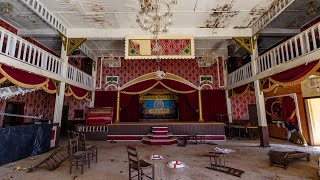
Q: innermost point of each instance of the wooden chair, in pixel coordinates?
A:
(77, 157)
(136, 164)
(84, 146)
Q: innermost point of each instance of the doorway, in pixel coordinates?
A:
(16, 108)
(313, 116)
(64, 120)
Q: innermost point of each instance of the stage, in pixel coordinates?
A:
(135, 131)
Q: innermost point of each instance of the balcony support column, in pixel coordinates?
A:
(261, 110)
(94, 75)
(58, 107)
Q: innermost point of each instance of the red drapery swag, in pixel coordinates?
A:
(241, 90)
(25, 79)
(290, 77)
(78, 93)
(289, 110)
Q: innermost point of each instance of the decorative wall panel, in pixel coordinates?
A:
(172, 47)
(239, 106)
(185, 68)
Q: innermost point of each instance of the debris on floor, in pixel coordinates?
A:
(223, 150)
(282, 158)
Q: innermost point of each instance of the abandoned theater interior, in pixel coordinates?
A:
(159, 89)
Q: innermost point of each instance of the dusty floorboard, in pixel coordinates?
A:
(112, 163)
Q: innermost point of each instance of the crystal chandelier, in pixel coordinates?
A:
(111, 60)
(6, 8)
(155, 15)
(207, 59)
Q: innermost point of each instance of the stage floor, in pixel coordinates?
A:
(138, 130)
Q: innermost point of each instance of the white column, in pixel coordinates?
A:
(229, 112)
(94, 75)
(60, 96)
(261, 110)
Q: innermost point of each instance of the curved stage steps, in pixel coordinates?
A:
(159, 136)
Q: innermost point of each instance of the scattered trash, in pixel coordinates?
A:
(176, 164)
(222, 150)
(155, 157)
(74, 177)
(111, 160)
(121, 171)
(18, 168)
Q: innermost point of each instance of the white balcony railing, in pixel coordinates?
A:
(240, 74)
(291, 50)
(19, 49)
(79, 76)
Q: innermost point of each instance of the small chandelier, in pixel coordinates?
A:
(207, 59)
(6, 7)
(111, 61)
(155, 15)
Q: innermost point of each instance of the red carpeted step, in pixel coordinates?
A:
(159, 132)
(171, 140)
(160, 128)
(154, 136)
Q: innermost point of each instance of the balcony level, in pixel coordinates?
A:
(296, 51)
(19, 53)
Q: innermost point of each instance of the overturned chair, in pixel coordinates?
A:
(136, 164)
(282, 158)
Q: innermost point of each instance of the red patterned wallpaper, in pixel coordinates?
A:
(185, 68)
(36, 103)
(239, 106)
(75, 104)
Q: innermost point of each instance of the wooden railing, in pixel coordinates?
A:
(289, 51)
(19, 49)
(91, 128)
(79, 76)
(240, 74)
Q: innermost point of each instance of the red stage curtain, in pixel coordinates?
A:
(106, 99)
(289, 110)
(176, 86)
(213, 102)
(193, 100)
(186, 112)
(140, 87)
(131, 109)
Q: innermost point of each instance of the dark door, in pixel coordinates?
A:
(14, 108)
(64, 120)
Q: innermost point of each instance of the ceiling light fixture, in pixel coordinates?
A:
(155, 16)
(207, 59)
(111, 60)
(6, 8)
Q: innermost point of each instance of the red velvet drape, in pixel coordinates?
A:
(140, 86)
(106, 99)
(78, 91)
(23, 76)
(294, 73)
(240, 89)
(176, 85)
(130, 108)
(213, 102)
(186, 111)
(288, 107)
